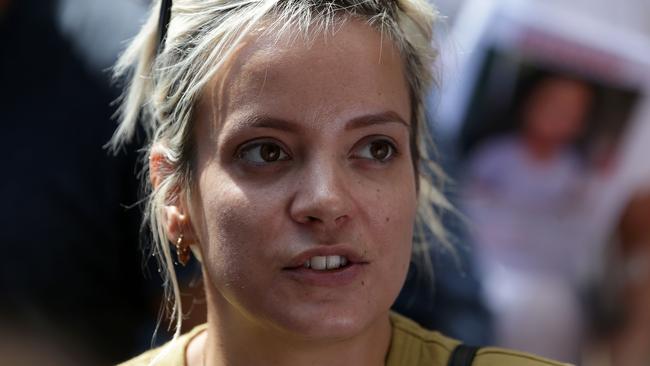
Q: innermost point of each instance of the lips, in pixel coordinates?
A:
(328, 266)
(324, 258)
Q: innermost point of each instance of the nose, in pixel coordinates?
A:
(322, 198)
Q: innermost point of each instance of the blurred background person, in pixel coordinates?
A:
(586, 173)
(622, 319)
(523, 193)
(631, 344)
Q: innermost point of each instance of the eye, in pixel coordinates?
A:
(262, 153)
(380, 150)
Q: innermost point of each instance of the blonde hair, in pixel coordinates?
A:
(164, 87)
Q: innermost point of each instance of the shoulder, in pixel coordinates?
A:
(492, 356)
(143, 359)
(413, 345)
(406, 329)
(171, 353)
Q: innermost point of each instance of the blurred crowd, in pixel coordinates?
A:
(71, 281)
(552, 241)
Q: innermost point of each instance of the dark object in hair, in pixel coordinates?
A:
(163, 23)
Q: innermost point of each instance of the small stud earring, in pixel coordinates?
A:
(182, 252)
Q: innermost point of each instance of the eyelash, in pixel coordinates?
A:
(259, 144)
(284, 155)
(379, 139)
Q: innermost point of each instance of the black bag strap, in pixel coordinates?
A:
(463, 355)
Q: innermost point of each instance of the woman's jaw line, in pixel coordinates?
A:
(230, 336)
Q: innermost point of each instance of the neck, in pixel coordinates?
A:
(233, 339)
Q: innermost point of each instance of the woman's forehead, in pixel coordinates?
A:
(354, 70)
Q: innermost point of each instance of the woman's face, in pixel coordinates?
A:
(305, 193)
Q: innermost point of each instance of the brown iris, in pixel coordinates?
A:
(380, 150)
(270, 152)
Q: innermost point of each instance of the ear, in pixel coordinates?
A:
(176, 216)
(159, 166)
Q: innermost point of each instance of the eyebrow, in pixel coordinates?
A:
(375, 119)
(261, 121)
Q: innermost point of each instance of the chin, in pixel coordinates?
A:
(328, 321)
(326, 328)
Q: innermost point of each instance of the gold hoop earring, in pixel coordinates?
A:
(182, 252)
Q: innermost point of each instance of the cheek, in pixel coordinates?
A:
(393, 203)
(237, 229)
(391, 215)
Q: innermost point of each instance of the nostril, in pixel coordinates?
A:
(311, 218)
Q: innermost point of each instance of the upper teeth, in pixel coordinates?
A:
(320, 263)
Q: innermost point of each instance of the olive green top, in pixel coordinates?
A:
(411, 345)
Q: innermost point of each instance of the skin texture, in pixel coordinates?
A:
(336, 114)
